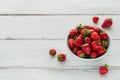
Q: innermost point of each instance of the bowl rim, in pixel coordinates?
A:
(94, 59)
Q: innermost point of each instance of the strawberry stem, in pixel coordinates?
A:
(79, 27)
(111, 19)
(106, 65)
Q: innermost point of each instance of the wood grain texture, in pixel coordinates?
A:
(35, 53)
(32, 74)
(49, 27)
(59, 7)
(29, 60)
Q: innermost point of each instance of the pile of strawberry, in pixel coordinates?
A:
(88, 41)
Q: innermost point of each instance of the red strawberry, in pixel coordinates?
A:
(85, 32)
(81, 54)
(61, 57)
(101, 51)
(82, 32)
(71, 43)
(93, 55)
(73, 32)
(52, 52)
(95, 36)
(81, 36)
(95, 45)
(103, 69)
(95, 19)
(75, 50)
(86, 48)
(87, 40)
(91, 30)
(107, 23)
(94, 28)
(79, 41)
(104, 36)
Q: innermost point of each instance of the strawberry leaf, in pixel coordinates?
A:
(87, 33)
(59, 58)
(82, 55)
(105, 43)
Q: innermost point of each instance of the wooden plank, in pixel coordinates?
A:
(59, 7)
(34, 53)
(49, 27)
(31, 74)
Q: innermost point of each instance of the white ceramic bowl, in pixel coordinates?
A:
(87, 59)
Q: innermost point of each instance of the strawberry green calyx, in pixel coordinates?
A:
(105, 43)
(80, 27)
(75, 37)
(106, 65)
(111, 19)
(59, 58)
(82, 55)
(52, 53)
(87, 33)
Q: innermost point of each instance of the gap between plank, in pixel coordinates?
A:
(43, 38)
(87, 68)
(52, 14)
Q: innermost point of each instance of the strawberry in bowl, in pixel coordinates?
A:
(88, 42)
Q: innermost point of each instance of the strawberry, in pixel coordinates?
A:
(71, 43)
(94, 36)
(79, 41)
(81, 54)
(87, 40)
(95, 45)
(85, 32)
(101, 51)
(104, 36)
(86, 48)
(73, 32)
(75, 50)
(52, 52)
(91, 30)
(81, 36)
(107, 23)
(93, 55)
(95, 19)
(61, 57)
(94, 28)
(103, 69)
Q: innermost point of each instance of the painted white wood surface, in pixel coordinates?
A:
(59, 7)
(29, 59)
(49, 27)
(28, 29)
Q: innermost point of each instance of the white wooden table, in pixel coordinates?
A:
(29, 28)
